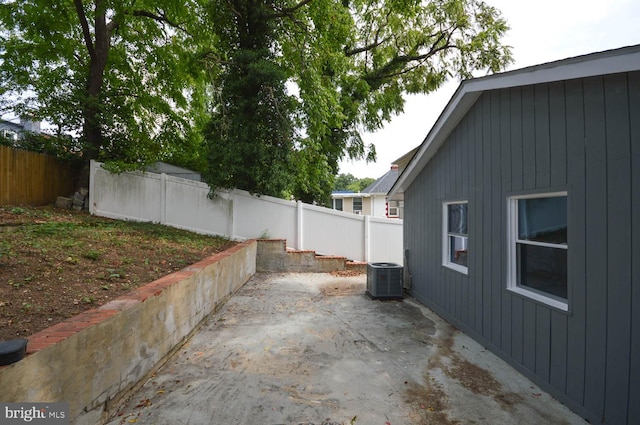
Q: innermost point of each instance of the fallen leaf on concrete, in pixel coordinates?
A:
(144, 403)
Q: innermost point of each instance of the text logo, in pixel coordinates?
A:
(34, 413)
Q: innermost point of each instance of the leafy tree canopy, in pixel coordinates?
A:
(290, 85)
(350, 62)
(343, 181)
(117, 74)
(349, 182)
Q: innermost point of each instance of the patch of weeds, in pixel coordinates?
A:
(26, 307)
(17, 210)
(113, 274)
(68, 243)
(58, 229)
(6, 250)
(88, 300)
(92, 255)
(17, 284)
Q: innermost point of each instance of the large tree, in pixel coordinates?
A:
(250, 135)
(351, 63)
(117, 74)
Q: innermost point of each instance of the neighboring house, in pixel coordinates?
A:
(522, 225)
(372, 200)
(377, 192)
(13, 131)
(173, 170)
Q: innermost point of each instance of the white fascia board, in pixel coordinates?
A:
(349, 195)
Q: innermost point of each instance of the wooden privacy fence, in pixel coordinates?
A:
(30, 178)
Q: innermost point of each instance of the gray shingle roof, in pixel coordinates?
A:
(384, 183)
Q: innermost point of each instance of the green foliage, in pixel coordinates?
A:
(261, 95)
(65, 148)
(351, 183)
(361, 184)
(250, 135)
(124, 85)
(343, 181)
(351, 63)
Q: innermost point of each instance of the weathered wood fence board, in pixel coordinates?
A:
(29, 178)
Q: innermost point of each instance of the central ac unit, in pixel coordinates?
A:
(384, 281)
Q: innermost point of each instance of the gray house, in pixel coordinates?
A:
(13, 131)
(522, 225)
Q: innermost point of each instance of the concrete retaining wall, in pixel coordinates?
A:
(95, 359)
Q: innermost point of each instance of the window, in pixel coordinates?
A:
(538, 247)
(393, 208)
(337, 204)
(357, 205)
(455, 241)
(9, 135)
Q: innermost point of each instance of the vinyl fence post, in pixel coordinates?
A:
(92, 180)
(232, 203)
(299, 230)
(163, 198)
(367, 238)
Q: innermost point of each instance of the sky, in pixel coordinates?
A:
(541, 31)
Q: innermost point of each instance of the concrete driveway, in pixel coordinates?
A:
(314, 349)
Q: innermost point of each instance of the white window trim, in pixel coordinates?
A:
(393, 211)
(512, 239)
(445, 238)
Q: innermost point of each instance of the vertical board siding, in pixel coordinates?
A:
(541, 122)
(619, 247)
(576, 257)
(30, 178)
(486, 211)
(505, 160)
(596, 243)
(582, 136)
(496, 219)
(477, 235)
(634, 352)
(557, 135)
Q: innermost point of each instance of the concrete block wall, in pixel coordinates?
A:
(98, 357)
(273, 256)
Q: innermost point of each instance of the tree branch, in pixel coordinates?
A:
(85, 28)
(366, 48)
(162, 18)
(287, 11)
(397, 65)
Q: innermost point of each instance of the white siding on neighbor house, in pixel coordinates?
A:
(238, 215)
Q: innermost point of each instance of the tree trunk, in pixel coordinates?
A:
(97, 65)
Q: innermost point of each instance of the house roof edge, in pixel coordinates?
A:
(623, 59)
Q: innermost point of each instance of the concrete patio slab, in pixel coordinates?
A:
(314, 349)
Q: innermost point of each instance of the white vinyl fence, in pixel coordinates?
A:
(238, 215)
